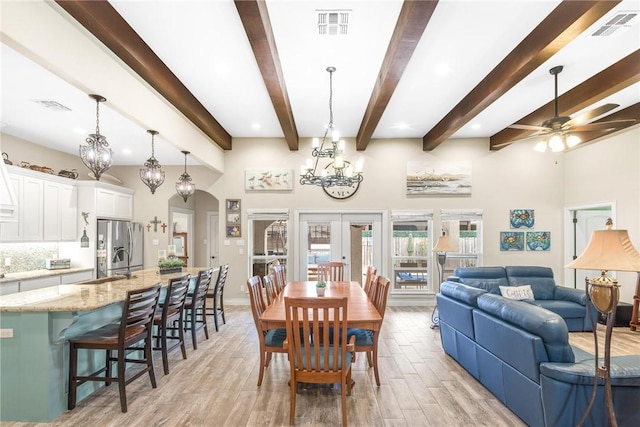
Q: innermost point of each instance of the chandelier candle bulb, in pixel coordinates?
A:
(359, 165)
(315, 143)
(335, 135)
(339, 161)
(341, 145)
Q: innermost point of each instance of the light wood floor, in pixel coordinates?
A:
(216, 385)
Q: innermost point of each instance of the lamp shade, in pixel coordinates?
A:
(609, 250)
(444, 245)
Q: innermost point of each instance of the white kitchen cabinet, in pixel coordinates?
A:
(61, 212)
(114, 204)
(29, 192)
(42, 282)
(80, 276)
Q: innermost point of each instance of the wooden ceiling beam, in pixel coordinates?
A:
(566, 22)
(256, 23)
(106, 24)
(412, 21)
(631, 112)
(620, 75)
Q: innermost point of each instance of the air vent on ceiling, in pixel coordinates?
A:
(51, 104)
(333, 22)
(620, 20)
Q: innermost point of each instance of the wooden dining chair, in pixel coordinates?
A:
(218, 296)
(169, 317)
(280, 275)
(269, 284)
(369, 279)
(331, 271)
(271, 340)
(134, 326)
(317, 360)
(367, 340)
(195, 306)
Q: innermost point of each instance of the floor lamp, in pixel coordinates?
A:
(443, 245)
(607, 250)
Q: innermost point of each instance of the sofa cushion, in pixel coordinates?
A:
(540, 279)
(517, 292)
(487, 278)
(625, 371)
(547, 325)
(461, 292)
(566, 309)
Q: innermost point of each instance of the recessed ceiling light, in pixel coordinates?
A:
(126, 151)
(222, 69)
(476, 126)
(400, 126)
(255, 126)
(80, 131)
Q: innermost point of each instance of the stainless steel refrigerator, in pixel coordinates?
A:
(120, 247)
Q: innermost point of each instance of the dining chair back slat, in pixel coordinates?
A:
(369, 279)
(331, 271)
(269, 283)
(280, 277)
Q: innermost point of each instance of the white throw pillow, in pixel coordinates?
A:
(517, 292)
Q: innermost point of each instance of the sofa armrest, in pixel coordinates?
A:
(563, 293)
(625, 371)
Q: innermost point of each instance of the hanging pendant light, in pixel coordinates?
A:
(152, 175)
(184, 186)
(96, 155)
(343, 174)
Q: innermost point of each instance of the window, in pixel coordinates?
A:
(267, 240)
(411, 252)
(464, 228)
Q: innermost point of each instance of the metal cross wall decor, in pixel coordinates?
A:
(155, 223)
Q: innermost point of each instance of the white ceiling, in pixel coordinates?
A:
(204, 44)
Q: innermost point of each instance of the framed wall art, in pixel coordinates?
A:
(268, 179)
(521, 218)
(233, 217)
(427, 178)
(512, 240)
(538, 240)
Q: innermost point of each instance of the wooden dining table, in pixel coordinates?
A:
(361, 313)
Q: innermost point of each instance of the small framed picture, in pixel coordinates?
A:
(233, 205)
(233, 230)
(512, 240)
(233, 218)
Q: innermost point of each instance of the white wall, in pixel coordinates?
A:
(609, 171)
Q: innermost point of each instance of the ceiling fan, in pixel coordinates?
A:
(560, 132)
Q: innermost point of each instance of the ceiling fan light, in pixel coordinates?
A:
(541, 146)
(556, 144)
(573, 140)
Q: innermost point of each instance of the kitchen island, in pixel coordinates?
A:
(34, 351)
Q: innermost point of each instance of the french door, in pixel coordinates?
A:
(356, 239)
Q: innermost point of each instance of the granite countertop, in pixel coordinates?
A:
(35, 274)
(84, 297)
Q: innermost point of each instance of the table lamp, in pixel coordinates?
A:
(607, 250)
(443, 245)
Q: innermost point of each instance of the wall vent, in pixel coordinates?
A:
(620, 20)
(51, 104)
(333, 22)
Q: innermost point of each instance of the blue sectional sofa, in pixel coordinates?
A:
(569, 303)
(521, 353)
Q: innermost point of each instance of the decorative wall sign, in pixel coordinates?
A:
(233, 216)
(521, 218)
(427, 178)
(512, 240)
(268, 179)
(538, 240)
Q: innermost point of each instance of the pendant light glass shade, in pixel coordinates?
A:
(184, 186)
(152, 175)
(96, 155)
